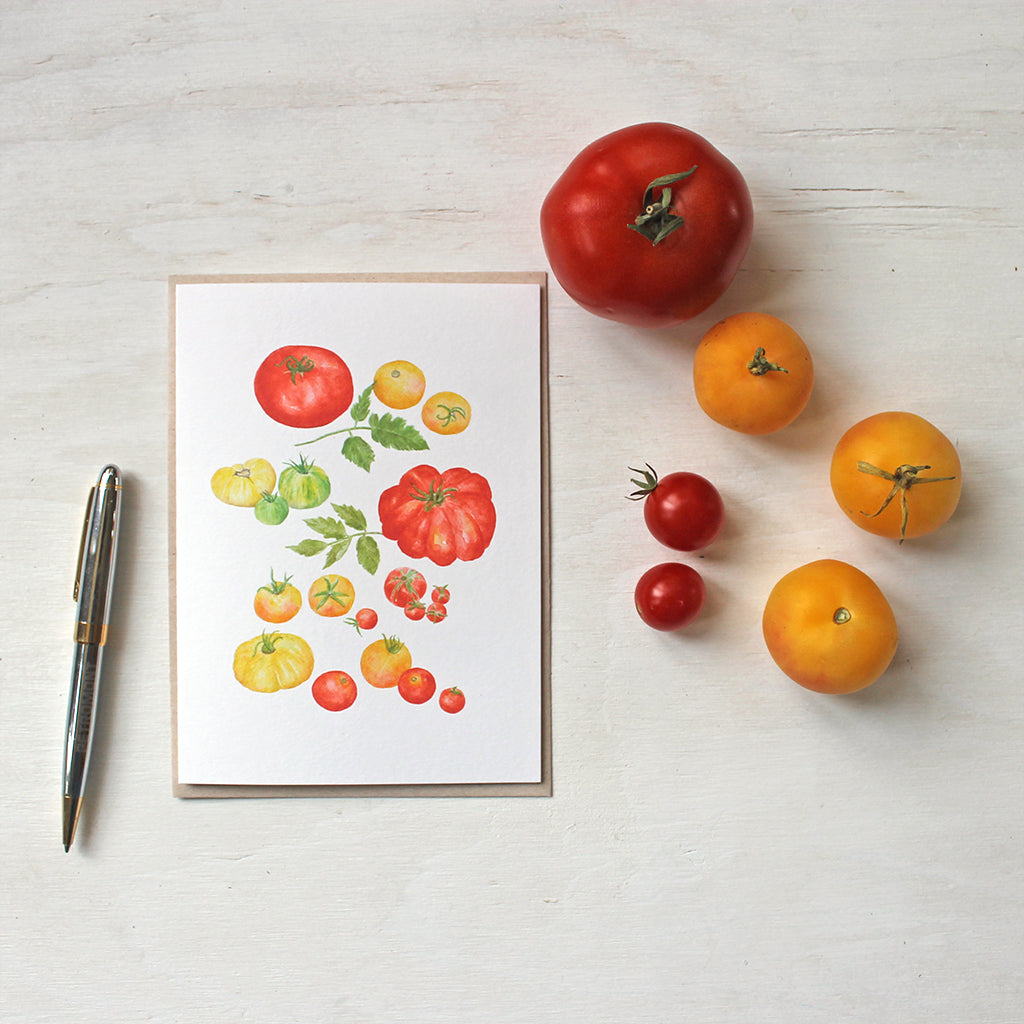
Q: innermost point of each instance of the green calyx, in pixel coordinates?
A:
(759, 365)
(645, 485)
(902, 479)
(658, 221)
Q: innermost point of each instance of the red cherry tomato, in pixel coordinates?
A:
(647, 225)
(404, 585)
(669, 595)
(682, 510)
(452, 700)
(417, 685)
(334, 691)
(440, 595)
(436, 611)
(303, 386)
(415, 610)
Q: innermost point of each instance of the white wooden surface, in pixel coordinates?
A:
(721, 845)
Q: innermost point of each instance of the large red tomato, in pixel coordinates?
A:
(439, 515)
(647, 226)
(303, 386)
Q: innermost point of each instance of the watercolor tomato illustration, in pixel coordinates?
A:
(683, 510)
(417, 685)
(244, 483)
(896, 475)
(436, 611)
(647, 225)
(828, 626)
(752, 373)
(365, 618)
(271, 509)
(669, 596)
(272, 662)
(303, 386)
(446, 413)
(415, 610)
(331, 595)
(399, 384)
(303, 484)
(452, 700)
(277, 601)
(438, 515)
(404, 585)
(383, 662)
(334, 691)
(440, 594)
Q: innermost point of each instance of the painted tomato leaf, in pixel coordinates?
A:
(385, 429)
(338, 534)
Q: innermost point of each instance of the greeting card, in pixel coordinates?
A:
(358, 535)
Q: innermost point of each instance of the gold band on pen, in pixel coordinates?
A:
(90, 633)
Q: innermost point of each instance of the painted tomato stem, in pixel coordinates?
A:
(297, 367)
(658, 221)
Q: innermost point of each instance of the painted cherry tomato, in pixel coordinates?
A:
(334, 691)
(446, 413)
(440, 595)
(366, 618)
(439, 515)
(682, 510)
(272, 662)
(244, 483)
(828, 626)
(417, 685)
(271, 509)
(452, 700)
(303, 484)
(399, 384)
(415, 610)
(303, 386)
(436, 611)
(896, 475)
(383, 662)
(404, 585)
(669, 596)
(752, 373)
(331, 595)
(278, 600)
(647, 225)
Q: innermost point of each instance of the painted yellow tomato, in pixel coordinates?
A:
(244, 483)
(399, 384)
(752, 373)
(331, 595)
(272, 662)
(277, 601)
(896, 475)
(383, 662)
(828, 626)
(446, 413)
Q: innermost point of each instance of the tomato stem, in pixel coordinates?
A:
(903, 478)
(657, 220)
(297, 367)
(759, 365)
(646, 485)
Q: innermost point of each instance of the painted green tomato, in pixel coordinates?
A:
(303, 484)
(271, 509)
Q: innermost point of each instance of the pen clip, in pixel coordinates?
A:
(81, 544)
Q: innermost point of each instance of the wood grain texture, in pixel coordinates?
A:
(720, 845)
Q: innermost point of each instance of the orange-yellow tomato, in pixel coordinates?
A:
(272, 662)
(331, 595)
(829, 627)
(277, 601)
(399, 384)
(446, 413)
(383, 662)
(896, 475)
(752, 373)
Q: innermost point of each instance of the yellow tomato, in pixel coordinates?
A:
(273, 661)
(277, 601)
(752, 373)
(384, 661)
(896, 475)
(446, 413)
(331, 595)
(829, 627)
(244, 483)
(399, 384)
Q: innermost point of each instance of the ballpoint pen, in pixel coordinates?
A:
(93, 584)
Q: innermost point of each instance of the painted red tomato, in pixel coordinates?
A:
(440, 515)
(303, 386)
(452, 700)
(404, 585)
(647, 225)
(334, 691)
(417, 685)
